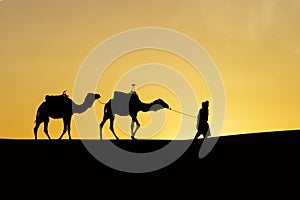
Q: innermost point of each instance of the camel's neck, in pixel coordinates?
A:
(88, 102)
(145, 107)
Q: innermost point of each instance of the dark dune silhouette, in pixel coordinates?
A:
(272, 146)
(254, 161)
(61, 106)
(128, 104)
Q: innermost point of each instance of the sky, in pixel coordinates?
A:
(255, 46)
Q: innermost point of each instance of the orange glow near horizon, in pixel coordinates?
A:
(254, 44)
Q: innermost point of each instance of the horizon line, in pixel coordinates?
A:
(227, 135)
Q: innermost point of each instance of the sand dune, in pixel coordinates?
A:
(239, 158)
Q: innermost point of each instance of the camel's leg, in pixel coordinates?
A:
(69, 128)
(112, 118)
(132, 127)
(105, 118)
(37, 125)
(46, 127)
(64, 131)
(134, 120)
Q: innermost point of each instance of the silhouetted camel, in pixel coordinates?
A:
(61, 106)
(124, 104)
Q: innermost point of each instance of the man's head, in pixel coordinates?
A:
(205, 104)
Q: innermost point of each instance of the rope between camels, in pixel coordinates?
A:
(100, 102)
(182, 113)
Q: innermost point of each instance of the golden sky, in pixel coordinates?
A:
(254, 44)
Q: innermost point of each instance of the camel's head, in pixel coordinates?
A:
(97, 96)
(93, 96)
(159, 104)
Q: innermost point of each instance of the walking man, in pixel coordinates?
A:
(202, 124)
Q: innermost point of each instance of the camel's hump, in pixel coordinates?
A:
(121, 95)
(120, 103)
(56, 99)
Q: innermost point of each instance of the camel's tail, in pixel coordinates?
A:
(106, 107)
(38, 113)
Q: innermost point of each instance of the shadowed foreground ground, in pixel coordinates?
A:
(260, 157)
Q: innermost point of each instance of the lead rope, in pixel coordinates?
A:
(169, 109)
(182, 113)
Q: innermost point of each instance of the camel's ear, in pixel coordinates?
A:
(64, 92)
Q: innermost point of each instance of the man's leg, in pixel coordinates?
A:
(207, 132)
(197, 135)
